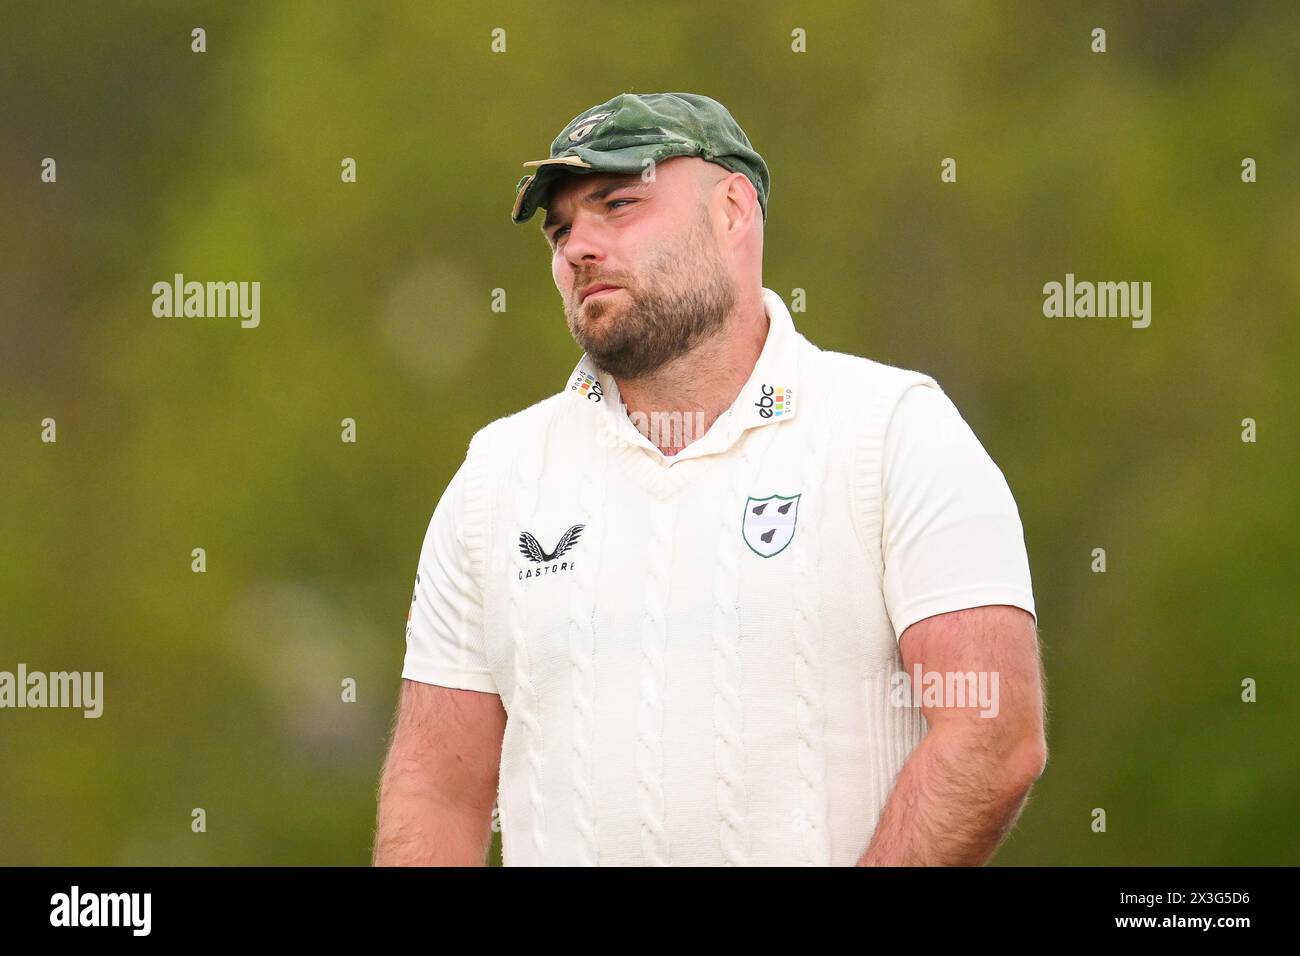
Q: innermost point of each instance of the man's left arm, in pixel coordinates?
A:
(957, 586)
(964, 784)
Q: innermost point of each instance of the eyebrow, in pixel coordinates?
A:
(633, 181)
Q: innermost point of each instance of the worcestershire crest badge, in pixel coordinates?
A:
(769, 523)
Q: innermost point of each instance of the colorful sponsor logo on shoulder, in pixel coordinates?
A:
(775, 401)
(584, 383)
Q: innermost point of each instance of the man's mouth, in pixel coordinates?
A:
(597, 289)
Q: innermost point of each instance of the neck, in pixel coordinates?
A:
(678, 402)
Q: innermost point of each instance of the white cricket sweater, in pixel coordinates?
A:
(694, 653)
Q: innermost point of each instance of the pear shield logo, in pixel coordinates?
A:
(769, 523)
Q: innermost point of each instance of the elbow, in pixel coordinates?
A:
(1027, 760)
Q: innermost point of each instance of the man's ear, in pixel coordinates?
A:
(740, 197)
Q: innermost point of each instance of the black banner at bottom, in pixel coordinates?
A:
(214, 905)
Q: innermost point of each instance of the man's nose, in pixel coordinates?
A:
(584, 241)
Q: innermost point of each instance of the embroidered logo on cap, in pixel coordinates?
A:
(583, 130)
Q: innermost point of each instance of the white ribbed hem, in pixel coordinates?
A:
(959, 600)
(446, 677)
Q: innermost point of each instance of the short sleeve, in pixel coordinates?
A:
(444, 627)
(951, 531)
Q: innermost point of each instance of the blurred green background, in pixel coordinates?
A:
(223, 689)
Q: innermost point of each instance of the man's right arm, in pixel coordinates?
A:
(439, 781)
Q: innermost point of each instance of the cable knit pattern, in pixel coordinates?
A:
(728, 679)
(650, 722)
(728, 709)
(526, 705)
(582, 650)
(809, 667)
(895, 730)
(608, 758)
(477, 511)
(867, 487)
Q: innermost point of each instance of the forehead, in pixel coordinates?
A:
(593, 187)
(578, 186)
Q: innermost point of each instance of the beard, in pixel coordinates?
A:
(637, 330)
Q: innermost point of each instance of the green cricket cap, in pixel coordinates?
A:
(619, 135)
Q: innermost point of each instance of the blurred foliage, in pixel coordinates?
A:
(223, 688)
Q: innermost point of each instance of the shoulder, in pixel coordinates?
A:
(520, 431)
(927, 416)
(854, 381)
(493, 453)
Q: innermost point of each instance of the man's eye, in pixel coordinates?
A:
(555, 236)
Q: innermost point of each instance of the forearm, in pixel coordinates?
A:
(417, 827)
(953, 802)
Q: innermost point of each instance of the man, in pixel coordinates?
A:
(662, 615)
